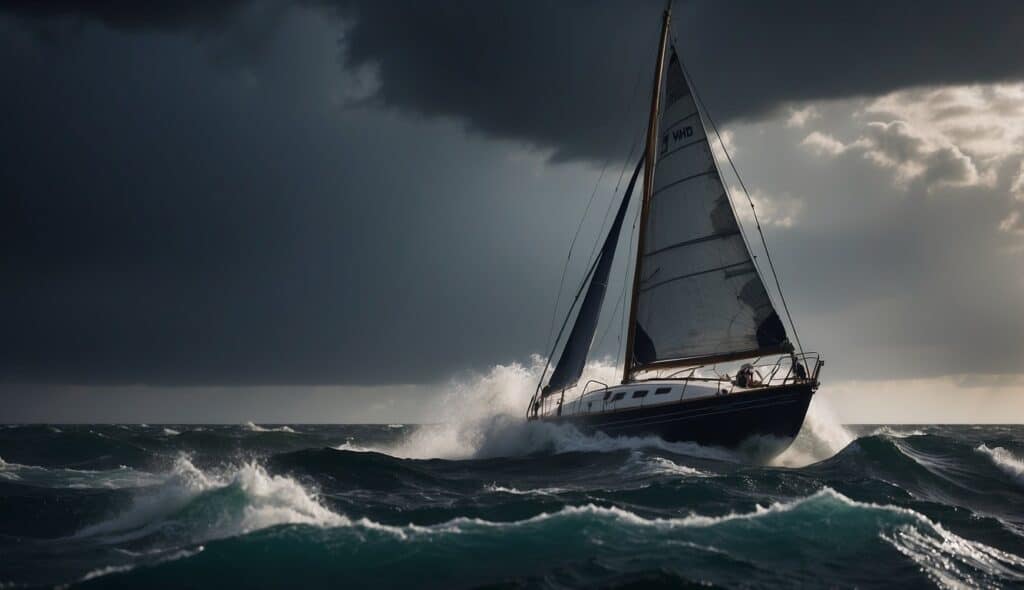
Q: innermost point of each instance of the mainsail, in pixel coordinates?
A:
(577, 345)
(698, 297)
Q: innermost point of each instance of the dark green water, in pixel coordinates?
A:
(510, 506)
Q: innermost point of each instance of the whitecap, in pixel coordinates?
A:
(268, 500)
(663, 466)
(58, 477)
(351, 446)
(1005, 461)
(106, 571)
(122, 568)
(495, 488)
(891, 432)
(257, 428)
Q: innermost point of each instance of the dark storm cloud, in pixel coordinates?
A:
(562, 75)
(168, 220)
(127, 14)
(557, 73)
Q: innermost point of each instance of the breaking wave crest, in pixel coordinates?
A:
(209, 505)
(1006, 462)
(257, 428)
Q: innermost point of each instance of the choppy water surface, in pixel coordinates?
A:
(506, 504)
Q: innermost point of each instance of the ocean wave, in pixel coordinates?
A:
(948, 559)
(162, 557)
(508, 436)
(798, 529)
(497, 489)
(896, 432)
(56, 477)
(922, 466)
(257, 428)
(205, 505)
(663, 466)
(1006, 461)
(560, 500)
(821, 437)
(954, 562)
(350, 446)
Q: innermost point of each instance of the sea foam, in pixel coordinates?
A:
(209, 505)
(60, 477)
(821, 437)
(1005, 461)
(257, 428)
(484, 417)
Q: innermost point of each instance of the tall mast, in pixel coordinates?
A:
(650, 156)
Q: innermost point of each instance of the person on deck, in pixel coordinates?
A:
(799, 370)
(746, 377)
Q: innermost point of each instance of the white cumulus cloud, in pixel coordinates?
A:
(954, 136)
(798, 117)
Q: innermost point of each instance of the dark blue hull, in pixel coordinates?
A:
(724, 421)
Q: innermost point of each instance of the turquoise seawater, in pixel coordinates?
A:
(508, 505)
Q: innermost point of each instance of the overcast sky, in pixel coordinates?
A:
(329, 211)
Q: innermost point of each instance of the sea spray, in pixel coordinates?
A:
(205, 505)
(483, 416)
(1005, 461)
(150, 507)
(821, 437)
(476, 412)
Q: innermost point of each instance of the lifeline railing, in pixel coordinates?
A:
(766, 374)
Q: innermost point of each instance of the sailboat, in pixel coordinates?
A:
(698, 303)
